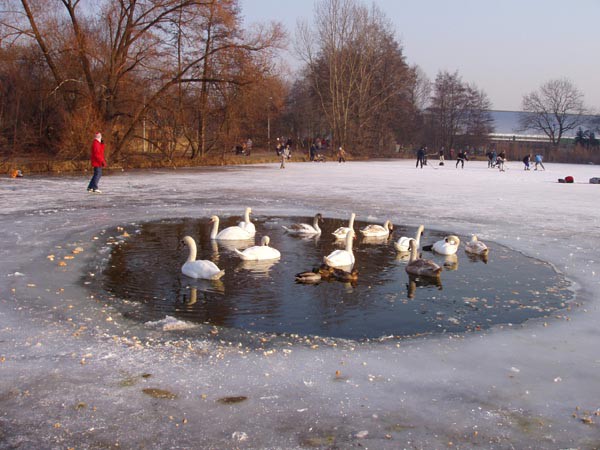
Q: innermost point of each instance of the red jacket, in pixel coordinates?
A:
(98, 154)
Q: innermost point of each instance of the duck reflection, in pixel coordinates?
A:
(415, 282)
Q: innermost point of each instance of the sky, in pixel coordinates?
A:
(508, 48)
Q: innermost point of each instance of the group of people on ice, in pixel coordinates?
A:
(495, 160)
(422, 155)
(498, 160)
(538, 162)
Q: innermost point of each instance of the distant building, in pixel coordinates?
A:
(507, 128)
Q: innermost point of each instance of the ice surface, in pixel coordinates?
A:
(73, 369)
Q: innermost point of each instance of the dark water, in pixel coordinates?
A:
(260, 296)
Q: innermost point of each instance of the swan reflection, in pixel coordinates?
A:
(258, 267)
(403, 256)
(232, 245)
(478, 258)
(415, 282)
(451, 262)
(202, 289)
(374, 240)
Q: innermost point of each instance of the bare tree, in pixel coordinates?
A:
(554, 109)
(420, 89)
(459, 112)
(113, 65)
(355, 67)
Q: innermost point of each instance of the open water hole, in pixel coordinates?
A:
(262, 296)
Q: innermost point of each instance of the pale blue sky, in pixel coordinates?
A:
(506, 47)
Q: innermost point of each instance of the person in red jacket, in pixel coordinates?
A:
(98, 162)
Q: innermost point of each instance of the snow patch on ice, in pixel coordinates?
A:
(170, 323)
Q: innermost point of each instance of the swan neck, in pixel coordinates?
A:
(247, 216)
(349, 238)
(419, 233)
(316, 224)
(192, 246)
(413, 252)
(215, 228)
(351, 222)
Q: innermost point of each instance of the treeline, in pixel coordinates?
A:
(179, 77)
(182, 78)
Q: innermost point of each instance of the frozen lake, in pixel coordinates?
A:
(77, 372)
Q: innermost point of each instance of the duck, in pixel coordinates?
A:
(202, 268)
(234, 233)
(246, 224)
(259, 252)
(308, 277)
(421, 267)
(304, 228)
(341, 232)
(401, 244)
(342, 275)
(325, 271)
(373, 230)
(447, 246)
(476, 247)
(342, 258)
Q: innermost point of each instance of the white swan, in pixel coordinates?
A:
(304, 228)
(341, 232)
(402, 244)
(259, 252)
(342, 258)
(246, 224)
(202, 268)
(476, 247)
(447, 246)
(377, 230)
(421, 267)
(228, 234)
